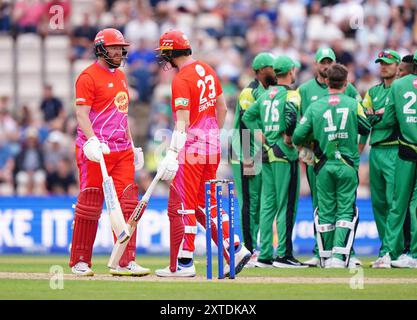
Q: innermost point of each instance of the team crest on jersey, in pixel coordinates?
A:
(273, 92)
(334, 100)
(200, 70)
(415, 83)
(122, 101)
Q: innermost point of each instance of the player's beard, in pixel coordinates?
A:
(114, 62)
(388, 75)
(323, 73)
(292, 77)
(270, 80)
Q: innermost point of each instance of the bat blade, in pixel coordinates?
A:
(120, 247)
(117, 220)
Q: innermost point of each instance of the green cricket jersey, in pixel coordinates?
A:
(246, 98)
(335, 121)
(275, 113)
(313, 90)
(401, 108)
(375, 100)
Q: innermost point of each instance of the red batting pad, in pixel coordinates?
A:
(87, 213)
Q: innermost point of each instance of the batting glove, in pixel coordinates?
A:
(168, 167)
(93, 149)
(139, 160)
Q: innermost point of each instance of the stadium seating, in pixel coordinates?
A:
(6, 65)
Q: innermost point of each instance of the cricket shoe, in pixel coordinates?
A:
(383, 262)
(242, 257)
(252, 261)
(313, 262)
(182, 272)
(404, 261)
(82, 269)
(355, 261)
(288, 262)
(261, 263)
(132, 269)
(334, 263)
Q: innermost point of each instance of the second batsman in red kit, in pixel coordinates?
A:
(199, 109)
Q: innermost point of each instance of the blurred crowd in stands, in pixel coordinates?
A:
(38, 157)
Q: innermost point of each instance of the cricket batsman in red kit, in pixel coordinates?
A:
(102, 101)
(193, 157)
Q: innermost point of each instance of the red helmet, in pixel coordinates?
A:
(173, 40)
(110, 37)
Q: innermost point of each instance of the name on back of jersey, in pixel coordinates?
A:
(410, 119)
(338, 135)
(273, 127)
(206, 105)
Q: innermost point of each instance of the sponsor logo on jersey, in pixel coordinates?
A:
(313, 98)
(110, 85)
(415, 83)
(181, 102)
(334, 100)
(122, 101)
(200, 70)
(303, 120)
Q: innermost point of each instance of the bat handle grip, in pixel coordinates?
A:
(103, 167)
(151, 187)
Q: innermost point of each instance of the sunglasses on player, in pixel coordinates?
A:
(386, 54)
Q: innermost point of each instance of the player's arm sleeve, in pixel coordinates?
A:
(367, 102)
(367, 105)
(84, 90)
(364, 127)
(246, 99)
(389, 118)
(300, 92)
(251, 116)
(292, 107)
(351, 91)
(303, 128)
(181, 96)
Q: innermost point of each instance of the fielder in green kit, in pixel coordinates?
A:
(275, 112)
(384, 149)
(310, 92)
(405, 68)
(401, 108)
(245, 157)
(335, 121)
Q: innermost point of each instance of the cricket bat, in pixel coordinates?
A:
(117, 220)
(119, 247)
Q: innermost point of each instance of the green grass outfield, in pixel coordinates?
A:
(29, 277)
